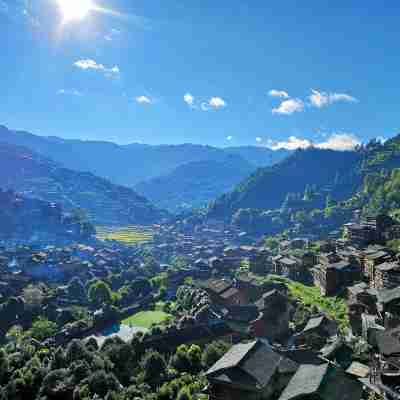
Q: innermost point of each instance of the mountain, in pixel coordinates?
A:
(32, 220)
(259, 156)
(268, 187)
(38, 177)
(130, 164)
(196, 183)
(379, 169)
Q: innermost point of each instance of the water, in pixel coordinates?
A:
(124, 332)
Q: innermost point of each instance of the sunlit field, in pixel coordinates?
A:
(146, 319)
(129, 235)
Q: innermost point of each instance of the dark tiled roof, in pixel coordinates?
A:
(306, 381)
(217, 285)
(232, 358)
(388, 341)
(388, 295)
(389, 266)
(229, 293)
(314, 323)
(242, 313)
(251, 364)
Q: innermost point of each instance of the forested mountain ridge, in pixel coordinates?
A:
(36, 176)
(380, 171)
(131, 164)
(268, 187)
(196, 183)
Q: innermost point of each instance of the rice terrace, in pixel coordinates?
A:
(129, 235)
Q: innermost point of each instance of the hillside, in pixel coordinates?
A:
(130, 164)
(35, 176)
(195, 184)
(380, 171)
(268, 187)
(24, 220)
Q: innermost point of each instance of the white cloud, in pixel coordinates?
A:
(292, 143)
(143, 100)
(229, 138)
(278, 93)
(89, 64)
(70, 92)
(258, 139)
(213, 103)
(288, 107)
(188, 99)
(217, 102)
(322, 99)
(337, 141)
(340, 141)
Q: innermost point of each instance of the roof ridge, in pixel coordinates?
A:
(250, 350)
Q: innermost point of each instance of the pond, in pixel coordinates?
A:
(124, 332)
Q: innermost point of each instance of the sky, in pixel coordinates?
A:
(276, 74)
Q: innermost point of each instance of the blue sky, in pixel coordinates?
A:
(219, 73)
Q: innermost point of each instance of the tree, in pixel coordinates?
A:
(100, 293)
(42, 329)
(184, 394)
(102, 383)
(213, 352)
(76, 289)
(4, 365)
(154, 366)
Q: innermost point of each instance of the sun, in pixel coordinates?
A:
(73, 10)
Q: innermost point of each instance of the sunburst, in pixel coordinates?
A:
(75, 10)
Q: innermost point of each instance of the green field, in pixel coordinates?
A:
(129, 235)
(145, 319)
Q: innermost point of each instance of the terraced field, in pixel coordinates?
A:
(129, 235)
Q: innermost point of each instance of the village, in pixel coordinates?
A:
(214, 283)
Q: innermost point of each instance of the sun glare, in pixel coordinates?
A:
(73, 10)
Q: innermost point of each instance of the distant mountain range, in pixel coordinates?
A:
(39, 177)
(196, 183)
(134, 163)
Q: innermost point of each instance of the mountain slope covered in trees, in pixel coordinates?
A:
(268, 187)
(36, 176)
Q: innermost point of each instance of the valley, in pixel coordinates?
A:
(292, 262)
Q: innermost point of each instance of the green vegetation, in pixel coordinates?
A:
(100, 293)
(146, 319)
(310, 296)
(335, 307)
(129, 235)
(42, 329)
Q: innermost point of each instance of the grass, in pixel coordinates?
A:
(310, 296)
(129, 235)
(145, 319)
